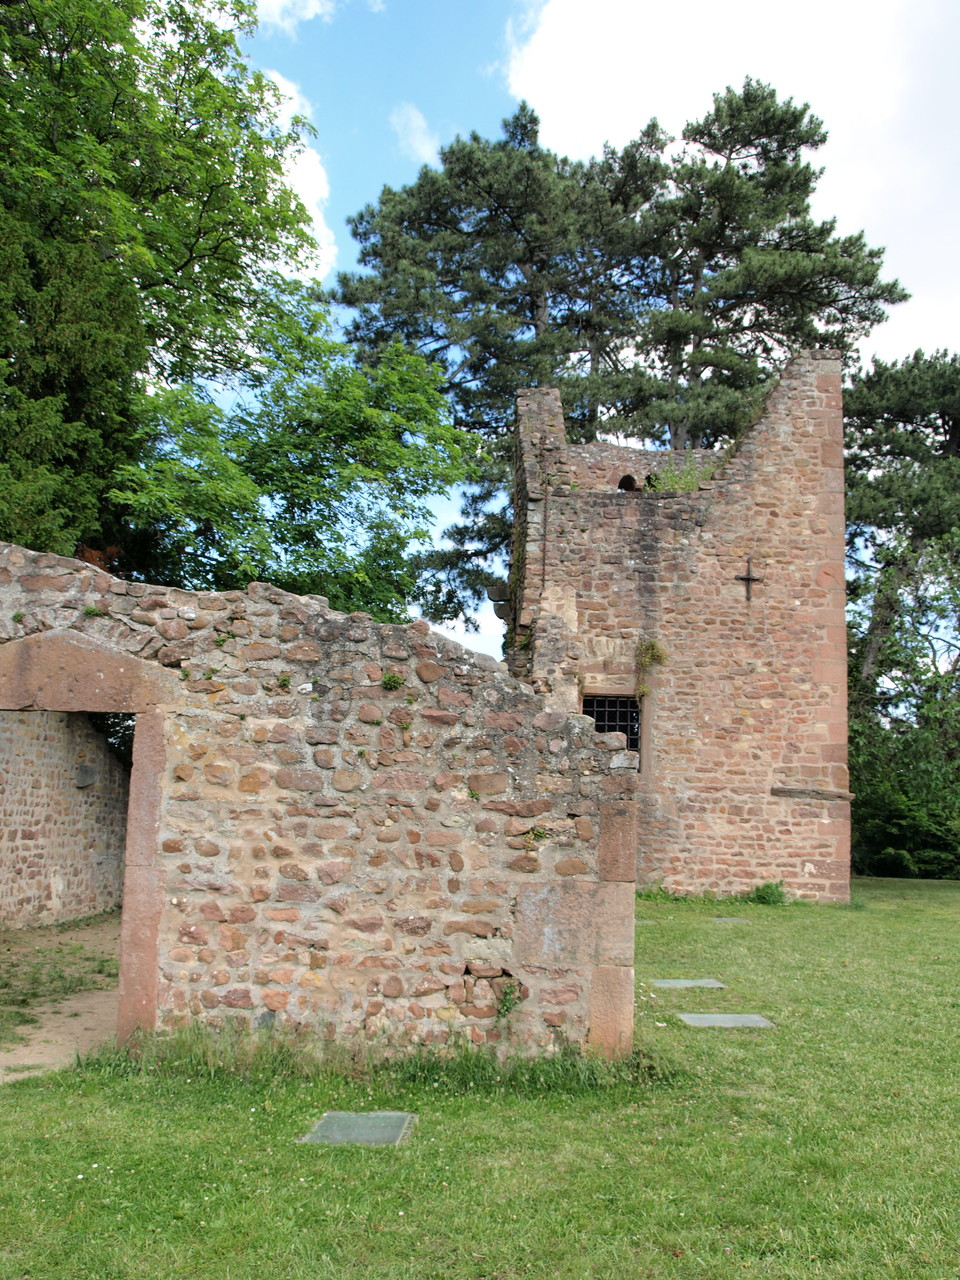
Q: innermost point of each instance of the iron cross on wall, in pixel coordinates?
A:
(749, 578)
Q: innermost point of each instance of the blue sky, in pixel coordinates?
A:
(385, 82)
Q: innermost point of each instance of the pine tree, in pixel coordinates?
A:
(660, 294)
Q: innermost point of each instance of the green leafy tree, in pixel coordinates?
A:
(316, 479)
(142, 211)
(660, 294)
(903, 478)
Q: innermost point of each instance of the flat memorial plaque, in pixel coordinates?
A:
(683, 983)
(729, 919)
(362, 1129)
(724, 1020)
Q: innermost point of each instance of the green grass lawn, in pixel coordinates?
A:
(828, 1146)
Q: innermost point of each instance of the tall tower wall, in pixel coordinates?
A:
(722, 605)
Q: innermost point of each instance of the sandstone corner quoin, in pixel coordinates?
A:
(369, 830)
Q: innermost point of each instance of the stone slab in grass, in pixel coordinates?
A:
(724, 1020)
(362, 1129)
(729, 919)
(682, 983)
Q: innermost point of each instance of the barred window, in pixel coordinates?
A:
(616, 715)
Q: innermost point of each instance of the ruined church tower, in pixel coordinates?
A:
(696, 603)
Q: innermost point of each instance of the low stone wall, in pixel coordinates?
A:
(364, 828)
(63, 816)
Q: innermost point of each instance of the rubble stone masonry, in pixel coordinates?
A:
(63, 817)
(359, 827)
(742, 683)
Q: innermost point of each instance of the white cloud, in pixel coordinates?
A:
(293, 101)
(878, 72)
(417, 141)
(305, 172)
(286, 14)
(377, 6)
(488, 639)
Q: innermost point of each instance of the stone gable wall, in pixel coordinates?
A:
(743, 746)
(310, 845)
(63, 817)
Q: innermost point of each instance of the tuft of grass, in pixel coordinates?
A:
(657, 893)
(769, 894)
(857, 903)
(391, 680)
(235, 1051)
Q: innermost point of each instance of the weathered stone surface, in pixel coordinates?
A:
(743, 746)
(611, 1020)
(304, 651)
(574, 923)
(300, 780)
(488, 784)
(570, 867)
(372, 887)
(62, 846)
(346, 779)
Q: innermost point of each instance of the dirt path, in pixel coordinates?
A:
(67, 1025)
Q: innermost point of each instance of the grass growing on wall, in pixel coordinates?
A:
(823, 1148)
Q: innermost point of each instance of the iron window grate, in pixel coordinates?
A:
(616, 715)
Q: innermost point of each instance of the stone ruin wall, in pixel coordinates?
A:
(307, 845)
(63, 817)
(743, 746)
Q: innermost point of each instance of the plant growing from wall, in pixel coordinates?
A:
(683, 473)
(508, 999)
(649, 653)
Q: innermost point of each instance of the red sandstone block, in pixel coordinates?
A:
(572, 923)
(487, 784)
(300, 780)
(444, 839)
(611, 1010)
(293, 892)
(444, 781)
(475, 928)
(617, 848)
(520, 808)
(259, 652)
(237, 998)
(526, 862)
(503, 720)
(572, 867)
